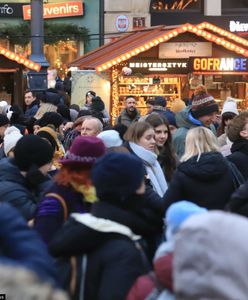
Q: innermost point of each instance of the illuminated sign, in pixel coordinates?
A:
(57, 10)
(172, 66)
(236, 26)
(224, 64)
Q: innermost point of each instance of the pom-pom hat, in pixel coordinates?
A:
(84, 151)
(202, 105)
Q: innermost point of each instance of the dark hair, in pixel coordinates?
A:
(167, 156)
(225, 117)
(130, 96)
(90, 93)
(29, 91)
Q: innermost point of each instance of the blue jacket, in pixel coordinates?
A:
(32, 109)
(14, 189)
(22, 246)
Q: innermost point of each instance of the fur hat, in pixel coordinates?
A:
(53, 118)
(230, 105)
(179, 212)
(84, 151)
(177, 105)
(117, 174)
(110, 138)
(11, 137)
(203, 104)
(32, 150)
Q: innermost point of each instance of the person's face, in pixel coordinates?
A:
(89, 99)
(147, 140)
(244, 132)
(208, 119)
(130, 104)
(89, 128)
(36, 128)
(161, 135)
(28, 98)
(149, 108)
(2, 129)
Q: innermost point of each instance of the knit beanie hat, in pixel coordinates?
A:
(110, 138)
(49, 134)
(179, 212)
(177, 105)
(3, 120)
(51, 118)
(202, 105)
(11, 137)
(230, 105)
(84, 151)
(32, 150)
(117, 174)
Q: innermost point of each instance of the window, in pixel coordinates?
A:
(232, 7)
(175, 5)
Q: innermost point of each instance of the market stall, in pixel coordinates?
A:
(171, 61)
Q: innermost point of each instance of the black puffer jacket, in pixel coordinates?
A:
(207, 182)
(239, 156)
(239, 201)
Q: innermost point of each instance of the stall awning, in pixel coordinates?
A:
(20, 59)
(131, 44)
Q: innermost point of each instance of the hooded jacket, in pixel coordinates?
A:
(212, 265)
(124, 117)
(207, 182)
(185, 122)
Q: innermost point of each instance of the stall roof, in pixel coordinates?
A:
(131, 44)
(20, 59)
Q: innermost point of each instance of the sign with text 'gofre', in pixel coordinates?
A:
(57, 10)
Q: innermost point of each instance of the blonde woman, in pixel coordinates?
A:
(203, 176)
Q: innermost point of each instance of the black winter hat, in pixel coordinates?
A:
(51, 118)
(32, 150)
(3, 120)
(97, 104)
(117, 174)
(160, 101)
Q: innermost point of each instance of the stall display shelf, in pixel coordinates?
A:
(158, 94)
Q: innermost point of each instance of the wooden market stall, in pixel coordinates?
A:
(171, 61)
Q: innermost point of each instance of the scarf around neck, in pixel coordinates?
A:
(153, 168)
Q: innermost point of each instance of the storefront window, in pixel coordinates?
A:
(237, 6)
(175, 5)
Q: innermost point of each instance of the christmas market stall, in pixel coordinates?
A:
(170, 61)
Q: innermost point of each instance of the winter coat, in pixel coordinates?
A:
(185, 121)
(239, 156)
(22, 246)
(207, 182)
(32, 109)
(239, 201)
(15, 190)
(113, 259)
(50, 212)
(125, 119)
(210, 257)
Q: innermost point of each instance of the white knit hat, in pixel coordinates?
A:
(11, 137)
(110, 138)
(230, 105)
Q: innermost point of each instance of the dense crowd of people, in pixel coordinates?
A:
(152, 207)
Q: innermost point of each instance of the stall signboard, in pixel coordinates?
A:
(185, 49)
(237, 26)
(57, 10)
(220, 64)
(168, 66)
(11, 10)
